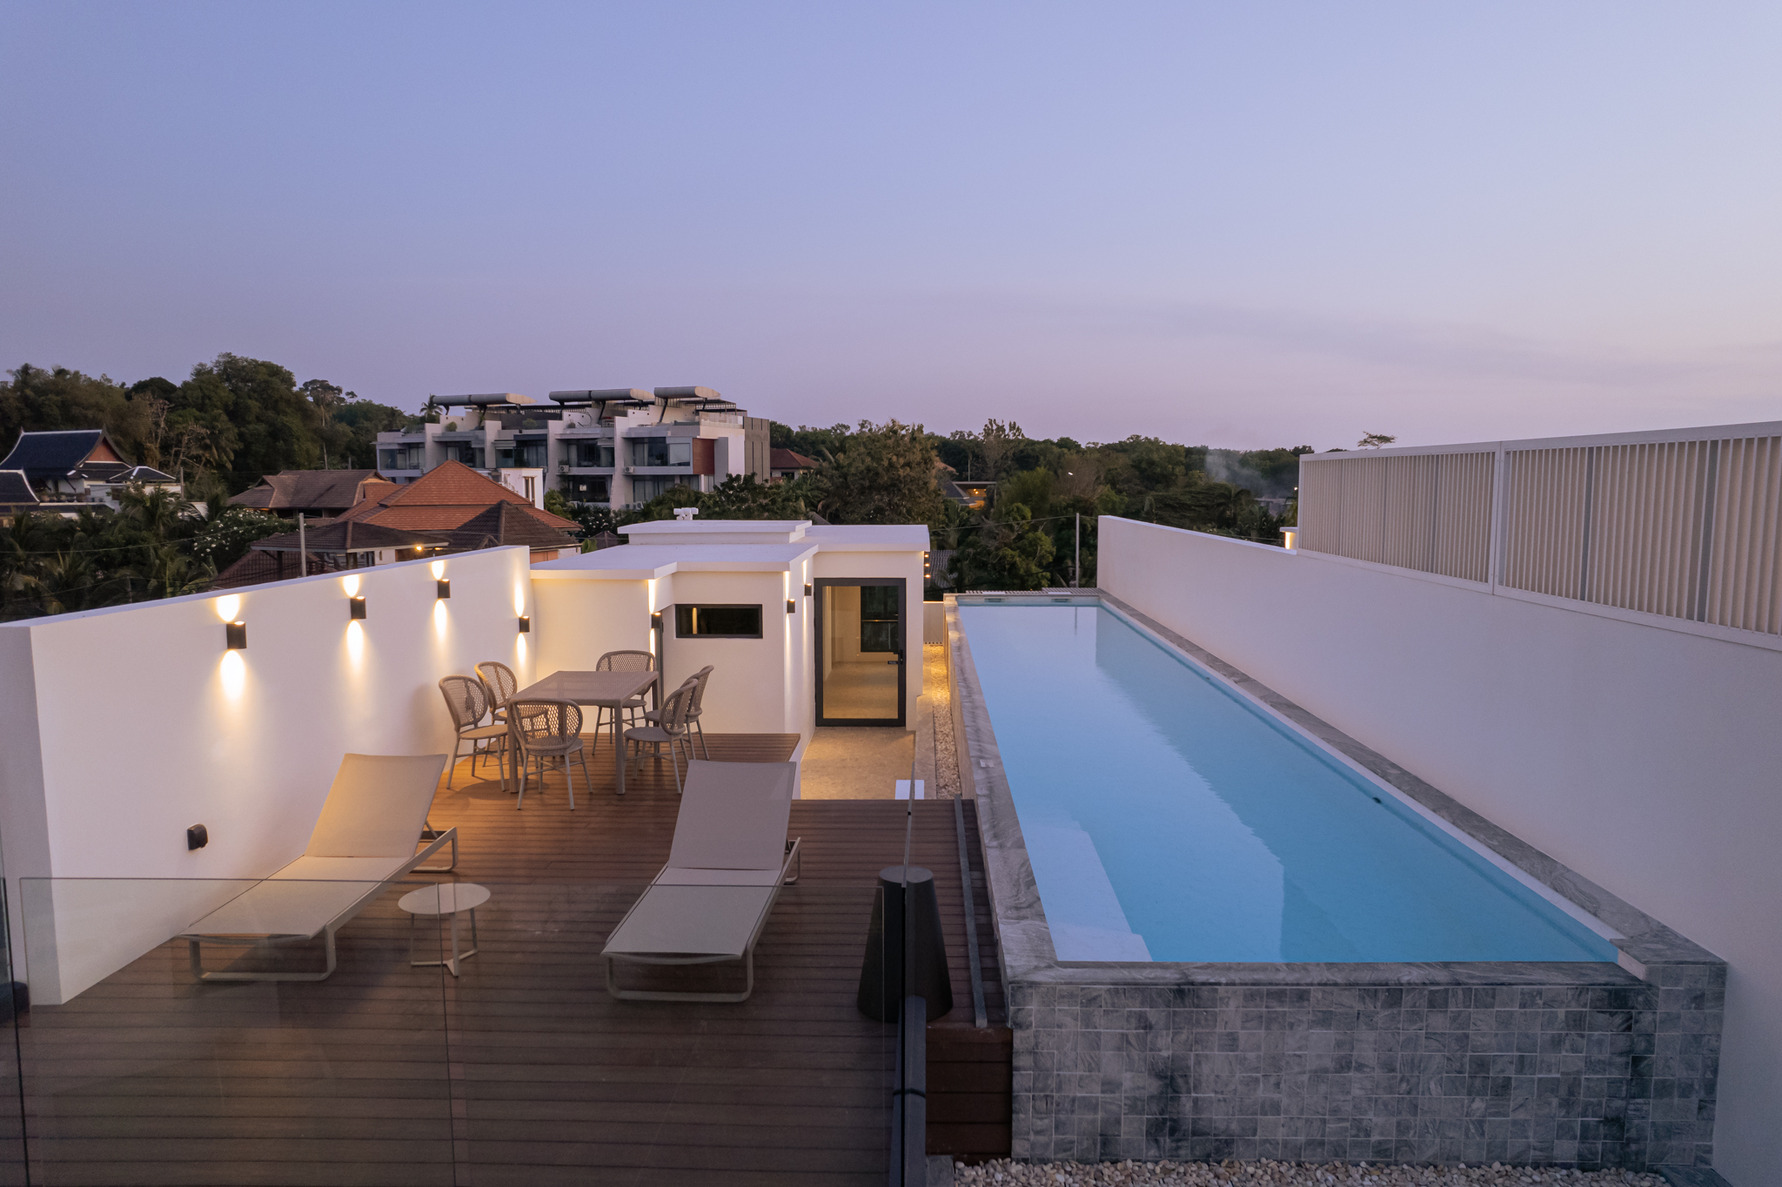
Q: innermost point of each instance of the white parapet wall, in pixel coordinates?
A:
(1648, 759)
(124, 726)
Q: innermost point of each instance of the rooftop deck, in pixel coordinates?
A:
(523, 1070)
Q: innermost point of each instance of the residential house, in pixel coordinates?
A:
(80, 466)
(787, 464)
(319, 494)
(612, 447)
(331, 547)
(470, 510)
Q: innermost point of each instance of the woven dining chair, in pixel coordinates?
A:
(468, 702)
(548, 729)
(502, 684)
(624, 661)
(699, 680)
(670, 730)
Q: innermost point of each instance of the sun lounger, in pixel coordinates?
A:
(363, 842)
(729, 859)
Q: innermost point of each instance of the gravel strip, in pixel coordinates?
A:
(1284, 1174)
(934, 686)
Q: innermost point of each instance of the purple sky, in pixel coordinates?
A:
(1239, 224)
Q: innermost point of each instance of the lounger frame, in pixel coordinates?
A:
(790, 871)
(326, 931)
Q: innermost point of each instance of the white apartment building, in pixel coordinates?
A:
(614, 447)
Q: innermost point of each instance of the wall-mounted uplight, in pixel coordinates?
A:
(235, 633)
(791, 606)
(807, 589)
(356, 607)
(442, 586)
(525, 624)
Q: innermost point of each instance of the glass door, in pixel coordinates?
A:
(860, 644)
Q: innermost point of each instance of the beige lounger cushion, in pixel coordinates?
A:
(691, 921)
(377, 806)
(724, 868)
(364, 838)
(733, 816)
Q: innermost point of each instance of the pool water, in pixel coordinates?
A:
(1167, 818)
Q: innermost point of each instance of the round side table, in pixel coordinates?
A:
(450, 899)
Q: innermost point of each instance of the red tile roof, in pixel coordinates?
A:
(447, 497)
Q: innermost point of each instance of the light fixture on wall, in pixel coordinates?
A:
(356, 607)
(442, 586)
(807, 589)
(525, 624)
(791, 606)
(235, 634)
(656, 620)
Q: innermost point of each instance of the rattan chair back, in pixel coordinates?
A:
(546, 727)
(700, 679)
(466, 699)
(500, 680)
(626, 661)
(676, 705)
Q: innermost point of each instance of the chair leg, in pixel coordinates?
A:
(452, 768)
(520, 780)
(569, 779)
(674, 761)
(702, 746)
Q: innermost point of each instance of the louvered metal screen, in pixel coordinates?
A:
(1683, 525)
(1430, 511)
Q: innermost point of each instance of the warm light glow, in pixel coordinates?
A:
(355, 641)
(351, 585)
(520, 648)
(228, 606)
(438, 569)
(439, 619)
(519, 599)
(233, 671)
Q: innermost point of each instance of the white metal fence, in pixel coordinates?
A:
(1684, 524)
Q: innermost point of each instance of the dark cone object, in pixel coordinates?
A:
(882, 985)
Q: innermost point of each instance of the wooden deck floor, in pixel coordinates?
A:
(522, 1071)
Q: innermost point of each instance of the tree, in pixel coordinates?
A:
(256, 420)
(1006, 551)
(995, 443)
(882, 474)
(1375, 440)
(35, 400)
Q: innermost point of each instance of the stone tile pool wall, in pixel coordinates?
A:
(1580, 1064)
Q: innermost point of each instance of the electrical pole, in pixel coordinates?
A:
(1077, 565)
(302, 548)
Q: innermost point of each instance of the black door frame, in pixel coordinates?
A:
(902, 661)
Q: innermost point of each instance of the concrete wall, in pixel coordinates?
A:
(123, 726)
(758, 685)
(1646, 759)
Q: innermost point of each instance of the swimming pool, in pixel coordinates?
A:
(1168, 818)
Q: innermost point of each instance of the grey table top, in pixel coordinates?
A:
(588, 688)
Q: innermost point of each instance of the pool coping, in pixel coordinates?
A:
(1024, 939)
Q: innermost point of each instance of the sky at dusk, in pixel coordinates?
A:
(1243, 224)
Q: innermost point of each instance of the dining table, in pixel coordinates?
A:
(601, 690)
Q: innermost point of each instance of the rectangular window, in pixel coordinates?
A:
(412, 456)
(645, 489)
(660, 451)
(593, 453)
(585, 490)
(878, 618)
(717, 622)
(468, 452)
